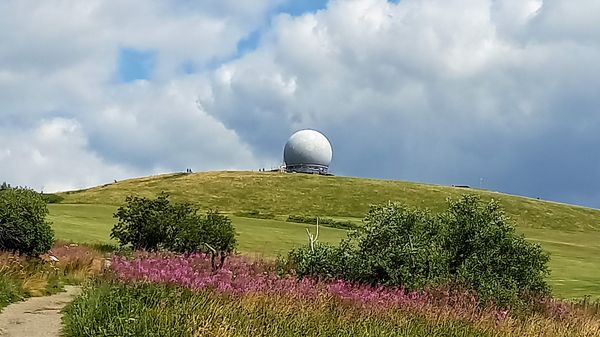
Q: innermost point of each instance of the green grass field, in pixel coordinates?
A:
(268, 238)
(571, 234)
(284, 194)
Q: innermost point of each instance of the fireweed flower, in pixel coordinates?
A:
(243, 276)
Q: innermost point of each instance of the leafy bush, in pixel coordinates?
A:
(398, 246)
(487, 255)
(23, 225)
(327, 222)
(322, 261)
(213, 233)
(471, 245)
(145, 223)
(153, 224)
(52, 198)
(255, 214)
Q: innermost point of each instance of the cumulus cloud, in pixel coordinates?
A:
(58, 70)
(436, 91)
(53, 156)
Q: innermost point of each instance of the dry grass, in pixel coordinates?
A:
(64, 264)
(145, 308)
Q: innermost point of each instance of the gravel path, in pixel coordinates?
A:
(36, 317)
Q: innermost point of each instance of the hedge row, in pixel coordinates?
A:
(327, 222)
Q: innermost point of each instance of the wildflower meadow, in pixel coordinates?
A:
(165, 294)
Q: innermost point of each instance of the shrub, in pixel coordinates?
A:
(471, 245)
(23, 225)
(213, 233)
(398, 246)
(327, 222)
(52, 198)
(322, 261)
(145, 223)
(255, 214)
(488, 256)
(152, 224)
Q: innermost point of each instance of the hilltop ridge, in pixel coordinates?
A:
(337, 196)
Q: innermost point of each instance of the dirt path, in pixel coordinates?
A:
(36, 317)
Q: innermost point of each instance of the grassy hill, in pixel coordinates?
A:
(284, 194)
(571, 234)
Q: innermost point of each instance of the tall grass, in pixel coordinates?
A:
(22, 276)
(116, 309)
(171, 295)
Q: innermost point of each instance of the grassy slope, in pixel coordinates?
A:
(571, 234)
(92, 224)
(320, 195)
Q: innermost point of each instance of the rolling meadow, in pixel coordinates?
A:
(161, 293)
(571, 234)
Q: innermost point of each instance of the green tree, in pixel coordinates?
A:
(398, 246)
(218, 234)
(23, 225)
(145, 223)
(487, 255)
(152, 224)
(212, 233)
(472, 245)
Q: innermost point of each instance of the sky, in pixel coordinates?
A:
(498, 94)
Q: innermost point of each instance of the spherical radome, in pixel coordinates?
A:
(307, 148)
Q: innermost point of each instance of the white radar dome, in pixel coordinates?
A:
(307, 151)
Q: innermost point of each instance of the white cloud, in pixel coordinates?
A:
(66, 122)
(53, 156)
(437, 91)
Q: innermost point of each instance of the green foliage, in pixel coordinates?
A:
(471, 245)
(327, 222)
(52, 198)
(152, 224)
(487, 255)
(575, 255)
(256, 214)
(212, 233)
(10, 291)
(398, 246)
(23, 225)
(322, 261)
(145, 223)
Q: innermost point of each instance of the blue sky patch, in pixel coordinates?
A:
(299, 7)
(135, 64)
(249, 43)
